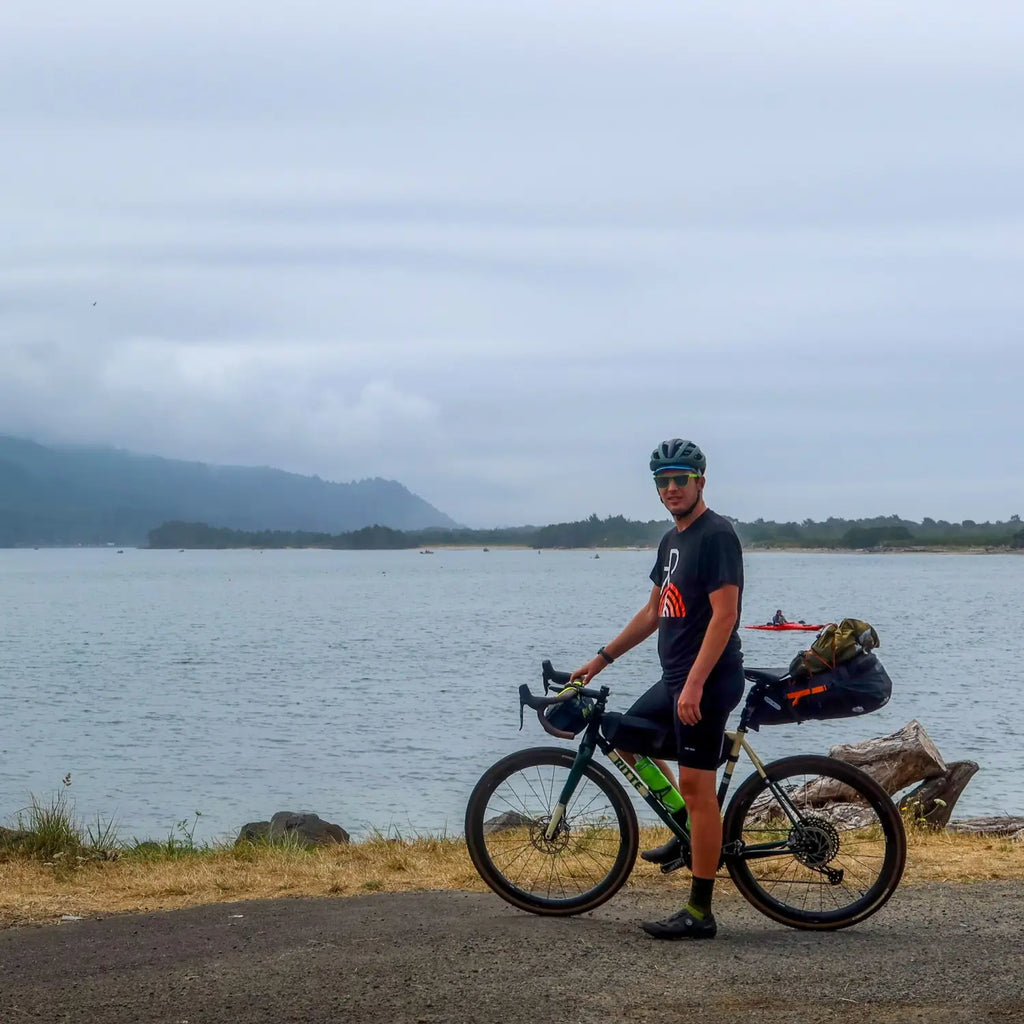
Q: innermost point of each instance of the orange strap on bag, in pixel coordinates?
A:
(797, 695)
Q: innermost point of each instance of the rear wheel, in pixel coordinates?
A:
(834, 865)
(586, 860)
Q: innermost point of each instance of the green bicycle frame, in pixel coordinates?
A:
(592, 740)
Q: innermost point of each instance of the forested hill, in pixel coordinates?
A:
(882, 533)
(68, 495)
(73, 495)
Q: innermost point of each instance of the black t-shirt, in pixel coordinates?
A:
(692, 564)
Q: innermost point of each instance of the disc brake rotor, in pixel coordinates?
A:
(558, 842)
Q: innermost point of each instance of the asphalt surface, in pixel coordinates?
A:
(935, 953)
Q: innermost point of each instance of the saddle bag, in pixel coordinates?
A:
(856, 687)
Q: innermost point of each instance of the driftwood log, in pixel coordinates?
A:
(844, 814)
(894, 761)
(1005, 825)
(930, 804)
(897, 760)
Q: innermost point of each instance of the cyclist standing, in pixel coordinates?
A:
(695, 607)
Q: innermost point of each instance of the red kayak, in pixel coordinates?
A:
(786, 625)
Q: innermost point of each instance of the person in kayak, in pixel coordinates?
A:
(694, 606)
(778, 619)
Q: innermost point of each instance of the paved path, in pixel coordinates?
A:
(937, 954)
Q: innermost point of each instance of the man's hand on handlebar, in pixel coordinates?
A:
(588, 671)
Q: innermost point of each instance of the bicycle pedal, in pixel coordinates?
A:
(673, 865)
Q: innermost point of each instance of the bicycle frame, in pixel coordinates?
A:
(593, 740)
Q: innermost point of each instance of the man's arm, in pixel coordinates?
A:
(724, 612)
(639, 628)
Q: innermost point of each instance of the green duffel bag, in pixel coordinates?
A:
(833, 646)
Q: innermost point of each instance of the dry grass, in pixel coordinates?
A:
(948, 857)
(32, 891)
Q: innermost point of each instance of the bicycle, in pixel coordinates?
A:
(808, 840)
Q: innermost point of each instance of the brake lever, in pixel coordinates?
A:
(522, 703)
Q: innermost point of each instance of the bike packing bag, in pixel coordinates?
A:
(639, 735)
(856, 687)
(572, 715)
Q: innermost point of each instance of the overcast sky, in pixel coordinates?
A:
(498, 250)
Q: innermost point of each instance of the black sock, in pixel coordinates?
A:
(700, 896)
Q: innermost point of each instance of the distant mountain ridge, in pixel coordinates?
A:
(64, 494)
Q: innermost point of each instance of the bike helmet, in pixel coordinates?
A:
(678, 454)
(572, 715)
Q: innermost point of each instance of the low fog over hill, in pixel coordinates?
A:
(78, 495)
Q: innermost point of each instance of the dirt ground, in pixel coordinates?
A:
(935, 953)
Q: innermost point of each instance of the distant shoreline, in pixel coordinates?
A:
(747, 548)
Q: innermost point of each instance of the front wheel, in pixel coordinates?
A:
(821, 847)
(583, 863)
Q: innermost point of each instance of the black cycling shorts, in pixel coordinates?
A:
(700, 745)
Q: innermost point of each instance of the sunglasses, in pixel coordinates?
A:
(679, 479)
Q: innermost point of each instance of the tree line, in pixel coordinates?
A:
(876, 534)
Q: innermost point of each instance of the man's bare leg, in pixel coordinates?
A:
(699, 790)
(695, 920)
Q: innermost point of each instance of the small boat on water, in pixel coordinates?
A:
(782, 627)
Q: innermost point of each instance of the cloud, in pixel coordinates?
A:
(529, 239)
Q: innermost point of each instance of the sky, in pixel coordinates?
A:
(498, 251)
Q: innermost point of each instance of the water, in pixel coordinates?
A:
(375, 687)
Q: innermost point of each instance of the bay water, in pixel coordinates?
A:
(375, 687)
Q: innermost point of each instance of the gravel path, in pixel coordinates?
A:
(936, 953)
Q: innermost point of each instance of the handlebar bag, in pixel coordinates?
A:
(571, 715)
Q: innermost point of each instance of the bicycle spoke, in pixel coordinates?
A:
(837, 860)
(540, 863)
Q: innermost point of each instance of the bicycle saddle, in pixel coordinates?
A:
(765, 675)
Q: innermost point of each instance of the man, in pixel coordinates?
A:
(695, 607)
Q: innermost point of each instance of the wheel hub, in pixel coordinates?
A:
(539, 840)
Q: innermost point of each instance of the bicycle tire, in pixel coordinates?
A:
(591, 855)
(855, 854)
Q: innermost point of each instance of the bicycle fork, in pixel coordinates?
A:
(579, 764)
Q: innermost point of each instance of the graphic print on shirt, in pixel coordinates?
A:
(671, 605)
